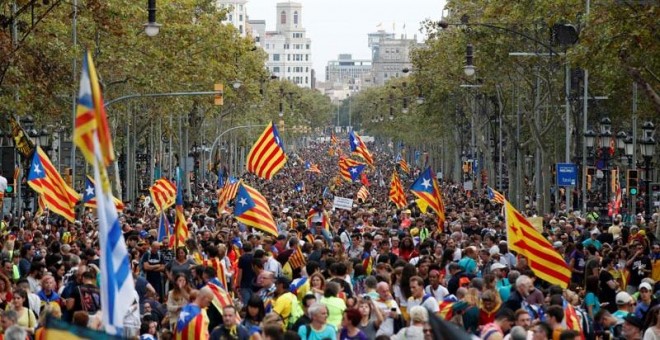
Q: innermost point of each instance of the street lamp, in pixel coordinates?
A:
(237, 84)
(647, 147)
(621, 140)
(469, 68)
(590, 138)
(152, 28)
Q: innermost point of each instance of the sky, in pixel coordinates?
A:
(341, 26)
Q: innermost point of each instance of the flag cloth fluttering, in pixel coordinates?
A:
(297, 260)
(403, 165)
(495, 196)
(192, 323)
(43, 178)
(359, 148)
(267, 155)
(314, 168)
(252, 209)
(546, 263)
(163, 194)
(363, 194)
(89, 196)
(426, 188)
(227, 193)
(316, 214)
(396, 193)
(92, 136)
(350, 169)
(180, 224)
(333, 138)
(42, 206)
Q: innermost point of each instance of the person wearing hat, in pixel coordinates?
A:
(593, 240)
(646, 300)
(624, 305)
(405, 219)
(639, 266)
(632, 328)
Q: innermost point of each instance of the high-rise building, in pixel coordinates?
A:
(390, 55)
(349, 71)
(289, 49)
(237, 14)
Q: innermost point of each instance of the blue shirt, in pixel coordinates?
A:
(592, 300)
(328, 332)
(468, 264)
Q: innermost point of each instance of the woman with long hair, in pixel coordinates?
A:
(317, 285)
(406, 248)
(591, 299)
(402, 288)
(5, 292)
(26, 318)
(371, 319)
(336, 306)
(177, 298)
(254, 314)
(652, 323)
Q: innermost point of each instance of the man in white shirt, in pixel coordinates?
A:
(435, 288)
(389, 307)
(419, 298)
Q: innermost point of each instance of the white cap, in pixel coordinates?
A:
(497, 265)
(623, 298)
(645, 285)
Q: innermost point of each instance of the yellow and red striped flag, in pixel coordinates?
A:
(267, 155)
(363, 194)
(43, 178)
(297, 259)
(404, 166)
(163, 194)
(42, 206)
(192, 323)
(345, 164)
(396, 193)
(89, 196)
(181, 232)
(227, 193)
(427, 189)
(368, 265)
(252, 209)
(546, 263)
(333, 138)
(359, 148)
(91, 118)
(495, 196)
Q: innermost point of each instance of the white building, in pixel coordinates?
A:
(289, 49)
(237, 14)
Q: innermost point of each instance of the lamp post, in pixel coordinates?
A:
(647, 146)
(605, 140)
(151, 28)
(589, 140)
(469, 68)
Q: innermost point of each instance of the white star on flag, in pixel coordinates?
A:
(183, 315)
(36, 169)
(426, 183)
(354, 170)
(356, 141)
(242, 201)
(89, 191)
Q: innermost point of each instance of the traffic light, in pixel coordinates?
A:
(219, 99)
(591, 171)
(632, 182)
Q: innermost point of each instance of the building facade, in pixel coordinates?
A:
(390, 55)
(288, 47)
(348, 71)
(236, 15)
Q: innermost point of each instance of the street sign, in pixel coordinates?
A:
(342, 203)
(566, 174)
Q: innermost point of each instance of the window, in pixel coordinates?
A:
(306, 57)
(306, 80)
(308, 46)
(282, 17)
(288, 57)
(267, 46)
(276, 57)
(276, 69)
(306, 69)
(286, 46)
(295, 18)
(240, 17)
(230, 17)
(240, 28)
(289, 69)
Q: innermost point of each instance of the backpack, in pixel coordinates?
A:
(296, 311)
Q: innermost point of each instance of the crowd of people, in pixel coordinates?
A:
(372, 272)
